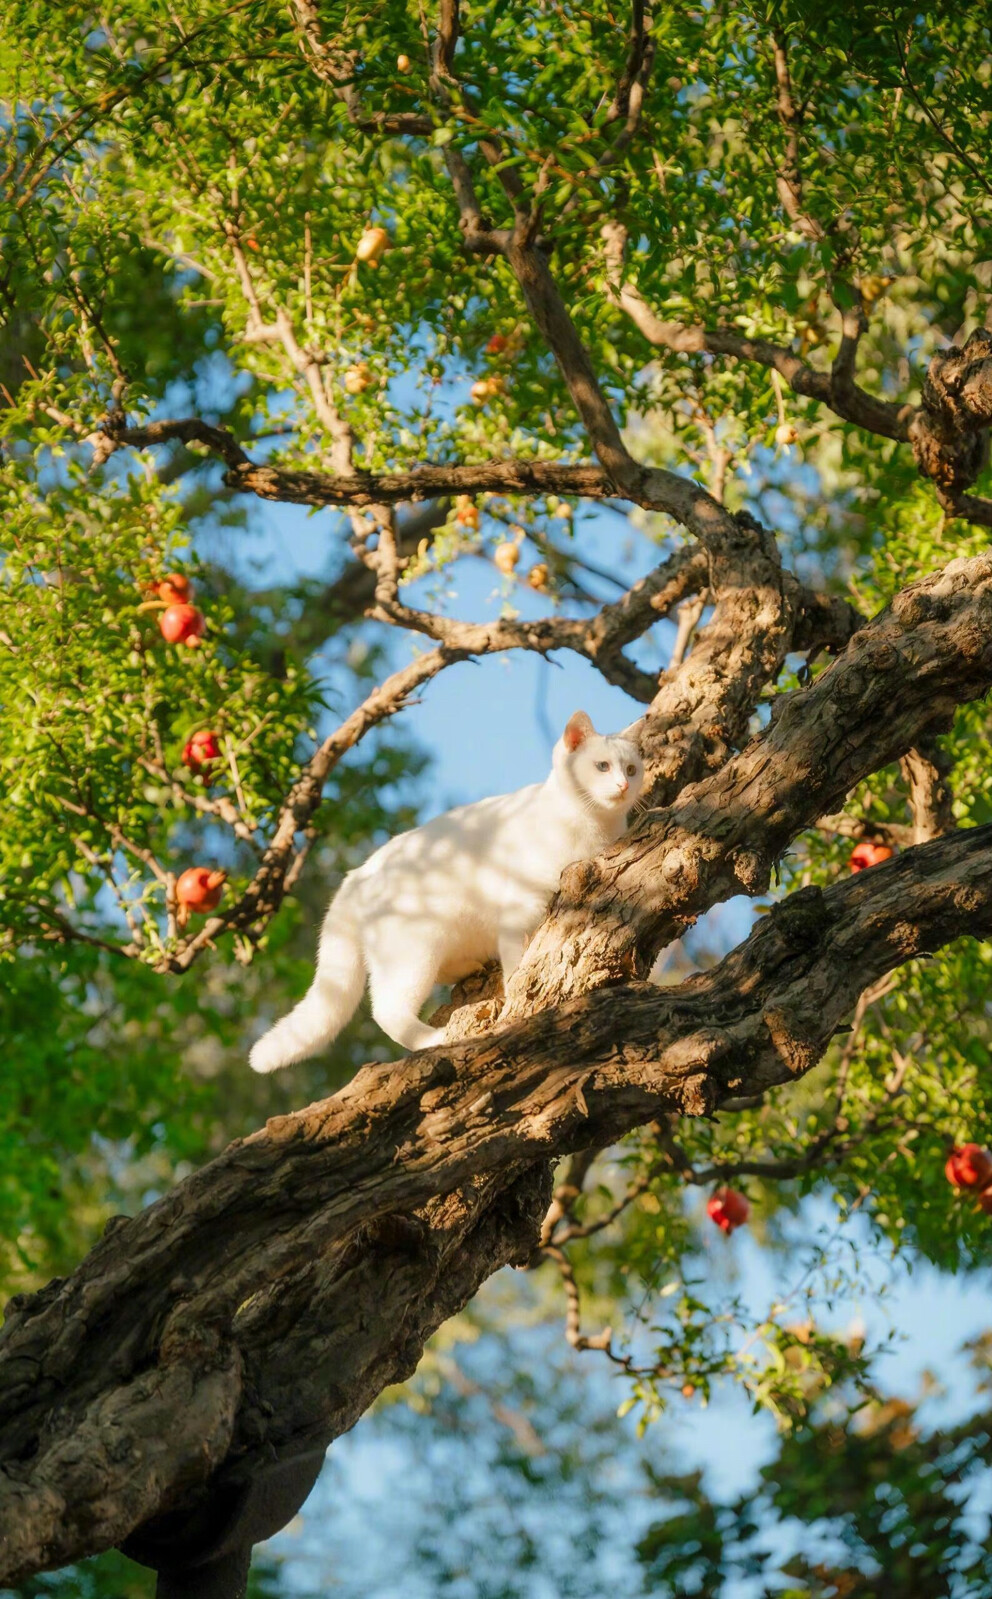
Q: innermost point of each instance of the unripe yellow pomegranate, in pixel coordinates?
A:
(873, 287)
(372, 244)
(357, 378)
(506, 556)
(466, 512)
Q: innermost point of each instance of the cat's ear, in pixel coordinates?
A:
(634, 731)
(577, 729)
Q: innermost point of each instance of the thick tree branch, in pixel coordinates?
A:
(898, 680)
(788, 181)
(704, 702)
(970, 507)
(448, 26)
(836, 389)
(558, 330)
(949, 432)
(931, 800)
(846, 397)
(656, 488)
(257, 1309)
(423, 482)
(653, 488)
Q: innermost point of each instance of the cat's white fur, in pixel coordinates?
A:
(438, 902)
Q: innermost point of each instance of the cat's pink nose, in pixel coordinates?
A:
(623, 788)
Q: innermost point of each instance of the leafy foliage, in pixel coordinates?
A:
(873, 1501)
(180, 225)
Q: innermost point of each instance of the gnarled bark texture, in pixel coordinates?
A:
(252, 1315)
(261, 1306)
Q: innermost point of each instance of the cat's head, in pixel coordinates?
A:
(606, 769)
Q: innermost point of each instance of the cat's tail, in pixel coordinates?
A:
(326, 1007)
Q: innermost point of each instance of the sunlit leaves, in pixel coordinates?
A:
(185, 188)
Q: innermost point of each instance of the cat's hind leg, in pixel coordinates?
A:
(399, 988)
(511, 952)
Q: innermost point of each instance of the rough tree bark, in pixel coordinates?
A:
(252, 1314)
(262, 1305)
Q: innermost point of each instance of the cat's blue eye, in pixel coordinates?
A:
(602, 766)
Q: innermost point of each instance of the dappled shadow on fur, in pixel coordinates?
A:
(474, 1004)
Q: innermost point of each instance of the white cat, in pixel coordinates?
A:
(438, 902)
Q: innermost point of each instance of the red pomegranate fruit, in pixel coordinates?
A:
(200, 749)
(175, 588)
(969, 1166)
(200, 888)
(869, 853)
(728, 1209)
(182, 624)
